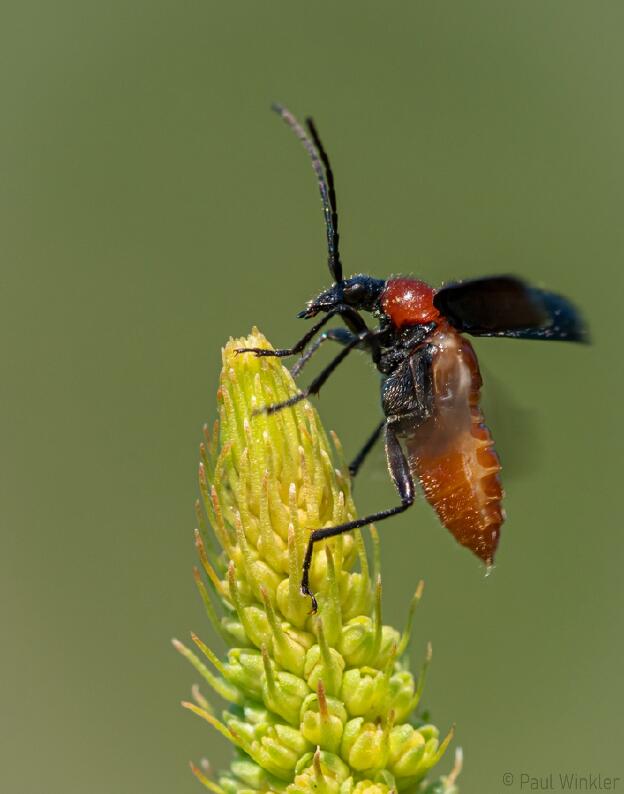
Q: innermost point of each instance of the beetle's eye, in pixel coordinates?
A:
(354, 293)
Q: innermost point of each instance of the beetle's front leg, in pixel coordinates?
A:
(298, 346)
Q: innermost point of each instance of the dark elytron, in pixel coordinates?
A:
(433, 428)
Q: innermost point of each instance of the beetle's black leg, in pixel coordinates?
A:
(350, 317)
(357, 461)
(298, 346)
(320, 379)
(356, 324)
(340, 335)
(402, 478)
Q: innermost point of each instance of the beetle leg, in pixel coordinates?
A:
(402, 478)
(298, 346)
(351, 318)
(320, 379)
(359, 459)
(340, 335)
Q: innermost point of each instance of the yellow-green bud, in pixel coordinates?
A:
(324, 664)
(282, 692)
(365, 744)
(245, 670)
(322, 720)
(368, 787)
(413, 751)
(276, 748)
(320, 773)
(317, 704)
(362, 689)
(400, 697)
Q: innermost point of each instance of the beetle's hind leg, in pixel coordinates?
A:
(402, 478)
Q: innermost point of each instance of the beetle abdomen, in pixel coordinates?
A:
(452, 452)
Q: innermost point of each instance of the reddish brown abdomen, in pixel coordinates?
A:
(452, 453)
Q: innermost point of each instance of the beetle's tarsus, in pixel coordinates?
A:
(257, 351)
(306, 592)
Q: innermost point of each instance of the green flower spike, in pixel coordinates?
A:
(315, 703)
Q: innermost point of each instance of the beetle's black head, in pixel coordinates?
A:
(358, 292)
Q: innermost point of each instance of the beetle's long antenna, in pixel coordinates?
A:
(326, 186)
(330, 183)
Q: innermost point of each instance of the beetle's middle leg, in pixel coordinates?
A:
(359, 459)
(320, 379)
(340, 335)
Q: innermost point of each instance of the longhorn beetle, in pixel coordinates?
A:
(433, 428)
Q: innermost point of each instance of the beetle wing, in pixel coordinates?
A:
(508, 306)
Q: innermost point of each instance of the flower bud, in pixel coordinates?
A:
(320, 773)
(365, 744)
(323, 719)
(400, 696)
(282, 692)
(362, 689)
(324, 664)
(245, 670)
(370, 787)
(276, 747)
(413, 751)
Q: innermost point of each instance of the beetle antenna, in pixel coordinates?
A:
(330, 183)
(326, 186)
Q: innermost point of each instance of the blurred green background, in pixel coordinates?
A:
(151, 205)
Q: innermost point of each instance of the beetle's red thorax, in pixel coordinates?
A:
(408, 301)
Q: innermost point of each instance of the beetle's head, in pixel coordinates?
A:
(358, 292)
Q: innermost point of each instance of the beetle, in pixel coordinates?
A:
(433, 427)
